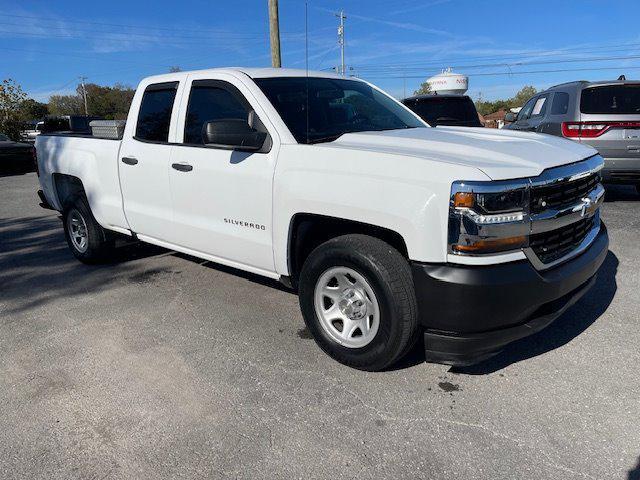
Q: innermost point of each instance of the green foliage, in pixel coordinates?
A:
(65, 105)
(11, 117)
(33, 110)
(111, 103)
(518, 100)
(424, 88)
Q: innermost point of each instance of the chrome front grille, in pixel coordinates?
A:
(563, 194)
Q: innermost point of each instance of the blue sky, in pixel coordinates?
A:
(45, 46)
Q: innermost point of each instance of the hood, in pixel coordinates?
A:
(500, 154)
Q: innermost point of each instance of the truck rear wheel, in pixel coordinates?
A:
(87, 240)
(358, 301)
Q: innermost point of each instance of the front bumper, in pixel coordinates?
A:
(470, 312)
(621, 170)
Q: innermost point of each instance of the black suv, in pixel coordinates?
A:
(450, 110)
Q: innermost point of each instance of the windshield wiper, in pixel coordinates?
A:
(329, 138)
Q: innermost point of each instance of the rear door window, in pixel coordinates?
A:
(611, 99)
(560, 104)
(154, 117)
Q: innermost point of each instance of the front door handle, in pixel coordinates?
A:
(182, 167)
(129, 160)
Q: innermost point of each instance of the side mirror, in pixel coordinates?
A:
(510, 117)
(233, 134)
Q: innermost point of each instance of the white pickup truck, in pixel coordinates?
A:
(388, 229)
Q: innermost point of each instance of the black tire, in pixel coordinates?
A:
(389, 275)
(99, 243)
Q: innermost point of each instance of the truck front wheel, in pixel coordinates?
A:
(358, 301)
(87, 240)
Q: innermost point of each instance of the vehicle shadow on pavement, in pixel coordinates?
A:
(562, 331)
(252, 277)
(36, 265)
(634, 474)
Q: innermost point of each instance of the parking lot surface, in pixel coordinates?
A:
(165, 366)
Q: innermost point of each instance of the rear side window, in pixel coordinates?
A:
(560, 105)
(154, 117)
(611, 99)
(208, 103)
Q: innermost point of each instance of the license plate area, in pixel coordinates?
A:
(632, 134)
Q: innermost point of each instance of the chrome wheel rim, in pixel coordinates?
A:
(77, 228)
(347, 307)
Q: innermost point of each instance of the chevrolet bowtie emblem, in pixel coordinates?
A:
(589, 207)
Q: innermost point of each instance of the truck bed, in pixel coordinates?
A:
(92, 159)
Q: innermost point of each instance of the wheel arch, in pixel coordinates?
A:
(66, 187)
(309, 230)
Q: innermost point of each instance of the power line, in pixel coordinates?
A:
(487, 65)
(529, 54)
(119, 35)
(488, 74)
(85, 22)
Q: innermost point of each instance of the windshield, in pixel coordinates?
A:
(445, 110)
(335, 107)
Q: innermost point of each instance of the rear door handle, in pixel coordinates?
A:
(182, 167)
(129, 160)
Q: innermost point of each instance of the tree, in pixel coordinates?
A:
(107, 102)
(11, 97)
(525, 93)
(518, 100)
(65, 105)
(425, 88)
(174, 69)
(33, 110)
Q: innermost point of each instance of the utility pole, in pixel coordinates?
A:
(274, 31)
(342, 18)
(84, 94)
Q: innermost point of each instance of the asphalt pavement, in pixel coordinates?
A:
(163, 366)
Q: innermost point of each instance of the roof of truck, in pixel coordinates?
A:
(251, 72)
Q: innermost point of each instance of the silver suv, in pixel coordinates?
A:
(605, 115)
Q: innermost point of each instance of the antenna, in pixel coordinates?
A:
(306, 62)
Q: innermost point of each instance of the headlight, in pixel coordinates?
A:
(488, 217)
(491, 202)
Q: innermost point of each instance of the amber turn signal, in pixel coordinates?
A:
(463, 200)
(492, 246)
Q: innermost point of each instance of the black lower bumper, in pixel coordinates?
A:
(470, 312)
